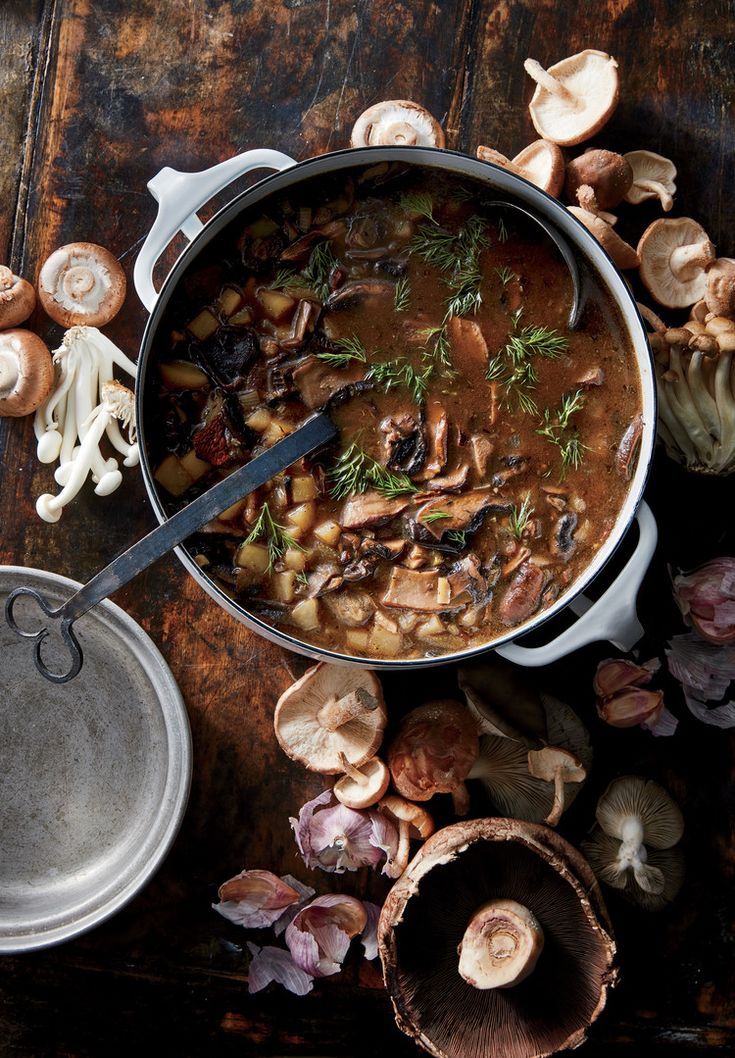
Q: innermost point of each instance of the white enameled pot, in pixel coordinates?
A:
(612, 616)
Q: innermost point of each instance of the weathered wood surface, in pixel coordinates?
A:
(96, 97)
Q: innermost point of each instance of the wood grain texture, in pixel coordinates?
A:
(123, 89)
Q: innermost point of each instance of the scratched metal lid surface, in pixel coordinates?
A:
(94, 774)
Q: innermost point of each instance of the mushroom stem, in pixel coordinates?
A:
(659, 190)
(501, 945)
(461, 799)
(337, 712)
(542, 77)
(400, 860)
(686, 260)
(557, 807)
(353, 772)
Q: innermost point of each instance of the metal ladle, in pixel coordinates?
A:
(312, 434)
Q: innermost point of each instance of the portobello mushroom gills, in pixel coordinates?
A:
(458, 872)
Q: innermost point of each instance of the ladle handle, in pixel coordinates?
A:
(312, 434)
(179, 196)
(612, 617)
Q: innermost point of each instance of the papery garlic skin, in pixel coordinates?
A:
(706, 598)
(320, 934)
(338, 839)
(255, 899)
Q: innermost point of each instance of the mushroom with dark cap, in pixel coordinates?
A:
(633, 847)
(573, 98)
(541, 163)
(81, 283)
(674, 256)
(26, 372)
(460, 940)
(433, 752)
(653, 177)
(412, 821)
(397, 121)
(333, 713)
(17, 299)
(608, 174)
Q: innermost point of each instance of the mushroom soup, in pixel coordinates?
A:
(484, 448)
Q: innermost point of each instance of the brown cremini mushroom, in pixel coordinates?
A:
(653, 177)
(674, 256)
(433, 752)
(17, 299)
(558, 766)
(573, 98)
(541, 163)
(719, 294)
(533, 883)
(81, 283)
(599, 224)
(608, 174)
(397, 121)
(26, 372)
(333, 713)
(412, 822)
(364, 786)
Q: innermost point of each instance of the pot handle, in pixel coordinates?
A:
(612, 617)
(179, 196)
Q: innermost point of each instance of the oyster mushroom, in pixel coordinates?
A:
(364, 786)
(333, 713)
(608, 174)
(412, 822)
(719, 294)
(17, 299)
(633, 849)
(81, 283)
(26, 372)
(574, 97)
(600, 224)
(397, 121)
(653, 177)
(522, 880)
(674, 256)
(541, 163)
(433, 752)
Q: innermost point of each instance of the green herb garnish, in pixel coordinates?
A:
(434, 516)
(505, 275)
(418, 203)
(558, 429)
(520, 516)
(514, 368)
(439, 352)
(401, 295)
(503, 233)
(350, 349)
(319, 268)
(355, 472)
(286, 279)
(302, 578)
(458, 536)
(400, 372)
(277, 539)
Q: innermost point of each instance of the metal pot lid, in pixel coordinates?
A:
(94, 774)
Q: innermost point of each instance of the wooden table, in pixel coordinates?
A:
(97, 95)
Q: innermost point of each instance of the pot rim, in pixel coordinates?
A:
(499, 180)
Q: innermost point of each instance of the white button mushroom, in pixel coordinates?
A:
(17, 299)
(674, 256)
(397, 121)
(573, 98)
(653, 177)
(541, 163)
(26, 372)
(81, 283)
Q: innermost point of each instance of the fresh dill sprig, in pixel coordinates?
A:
(401, 295)
(350, 349)
(505, 275)
(418, 203)
(277, 539)
(458, 255)
(434, 516)
(462, 194)
(439, 352)
(519, 517)
(503, 233)
(458, 536)
(286, 279)
(557, 428)
(435, 245)
(302, 578)
(513, 367)
(516, 316)
(400, 372)
(355, 472)
(317, 271)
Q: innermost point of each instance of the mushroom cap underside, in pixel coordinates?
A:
(591, 91)
(424, 919)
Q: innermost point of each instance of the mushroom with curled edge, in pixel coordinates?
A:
(433, 752)
(574, 97)
(81, 283)
(464, 991)
(413, 822)
(333, 713)
(397, 121)
(364, 786)
(653, 177)
(719, 294)
(17, 299)
(26, 372)
(541, 163)
(674, 257)
(633, 848)
(607, 173)
(600, 224)
(557, 766)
